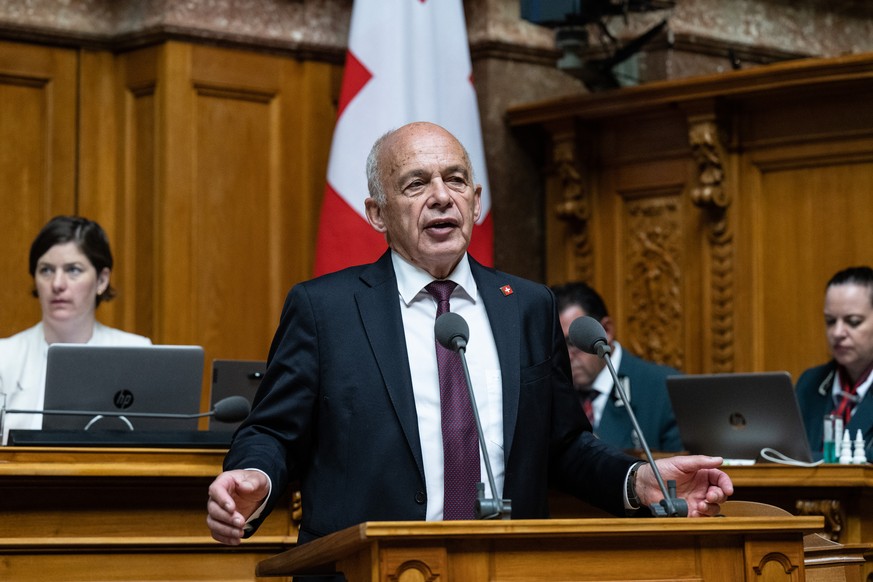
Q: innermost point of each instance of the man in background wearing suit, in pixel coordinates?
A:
(350, 402)
(644, 382)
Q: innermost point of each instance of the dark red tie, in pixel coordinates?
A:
(588, 405)
(460, 442)
(850, 393)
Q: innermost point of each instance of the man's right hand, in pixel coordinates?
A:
(233, 498)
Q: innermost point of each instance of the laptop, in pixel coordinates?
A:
(234, 378)
(735, 416)
(161, 379)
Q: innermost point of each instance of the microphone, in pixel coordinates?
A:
(230, 409)
(588, 335)
(452, 331)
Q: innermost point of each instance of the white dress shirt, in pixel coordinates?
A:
(418, 309)
(837, 391)
(603, 385)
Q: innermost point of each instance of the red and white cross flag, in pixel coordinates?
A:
(408, 60)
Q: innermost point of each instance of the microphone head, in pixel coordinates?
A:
(452, 331)
(587, 334)
(231, 409)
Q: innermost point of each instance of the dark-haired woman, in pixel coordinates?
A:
(842, 386)
(71, 264)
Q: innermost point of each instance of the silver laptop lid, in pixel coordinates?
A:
(152, 379)
(736, 415)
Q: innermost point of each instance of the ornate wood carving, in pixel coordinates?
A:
(423, 564)
(296, 507)
(652, 282)
(832, 511)
(782, 565)
(708, 152)
(710, 194)
(575, 206)
(412, 571)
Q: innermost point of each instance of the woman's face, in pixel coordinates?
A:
(68, 284)
(848, 313)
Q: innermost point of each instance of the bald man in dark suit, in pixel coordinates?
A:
(349, 405)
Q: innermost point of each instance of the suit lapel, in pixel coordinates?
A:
(503, 316)
(379, 308)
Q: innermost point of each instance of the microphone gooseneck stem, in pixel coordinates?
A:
(603, 350)
(463, 352)
(167, 415)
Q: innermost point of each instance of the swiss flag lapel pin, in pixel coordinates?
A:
(506, 290)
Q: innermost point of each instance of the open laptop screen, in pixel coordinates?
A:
(151, 379)
(234, 378)
(736, 415)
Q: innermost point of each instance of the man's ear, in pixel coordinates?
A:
(374, 215)
(609, 328)
(477, 202)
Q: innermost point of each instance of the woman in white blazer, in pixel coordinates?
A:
(71, 264)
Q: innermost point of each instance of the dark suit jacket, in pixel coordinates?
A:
(335, 409)
(651, 405)
(814, 388)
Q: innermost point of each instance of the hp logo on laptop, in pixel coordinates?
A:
(737, 420)
(123, 399)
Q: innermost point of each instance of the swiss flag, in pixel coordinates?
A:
(408, 60)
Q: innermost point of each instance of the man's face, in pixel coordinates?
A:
(848, 314)
(585, 366)
(431, 203)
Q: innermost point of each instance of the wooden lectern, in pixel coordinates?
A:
(728, 549)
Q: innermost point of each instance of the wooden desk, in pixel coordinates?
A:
(731, 549)
(843, 494)
(120, 514)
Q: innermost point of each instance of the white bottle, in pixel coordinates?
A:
(859, 457)
(846, 449)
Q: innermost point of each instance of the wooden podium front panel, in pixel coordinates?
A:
(643, 557)
(121, 514)
(655, 550)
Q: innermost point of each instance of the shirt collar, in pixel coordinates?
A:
(411, 280)
(603, 382)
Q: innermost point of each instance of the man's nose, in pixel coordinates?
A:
(440, 192)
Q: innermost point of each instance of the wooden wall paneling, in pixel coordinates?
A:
(38, 96)
(97, 177)
(652, 246)
(807, 168)
(712, 277)
(136, 163)
(311, 91)
(569, 199)
(237, 145)
(237, 179)
(175, 197)
(788, 148)
(811, 219)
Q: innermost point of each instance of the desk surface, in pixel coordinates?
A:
(773, 475)
(110, 462)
